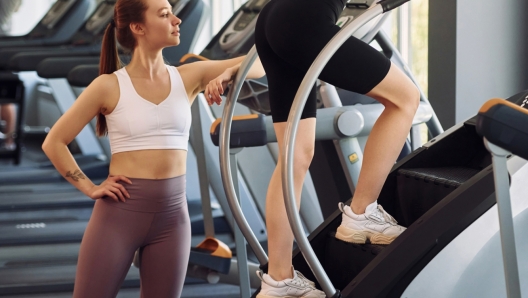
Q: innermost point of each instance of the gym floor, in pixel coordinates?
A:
(189, 291)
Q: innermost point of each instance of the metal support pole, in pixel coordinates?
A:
(416, 137)
(502, 193)
(197, 139)
(240, 241)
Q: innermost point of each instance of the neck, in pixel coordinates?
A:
(146, 63)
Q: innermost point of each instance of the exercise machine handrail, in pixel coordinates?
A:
(497, 121)
(225, 166)
(291, 132)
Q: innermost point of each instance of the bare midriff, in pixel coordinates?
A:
(149, 164)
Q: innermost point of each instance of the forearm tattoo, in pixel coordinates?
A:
(75, 175)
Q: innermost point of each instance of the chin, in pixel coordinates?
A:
(175, 42)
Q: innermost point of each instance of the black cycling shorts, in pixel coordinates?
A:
(291, 33)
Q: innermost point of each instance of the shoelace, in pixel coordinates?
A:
(306, 280)
(301, 282)
(381, 213)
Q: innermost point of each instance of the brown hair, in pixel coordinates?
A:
(125, 12)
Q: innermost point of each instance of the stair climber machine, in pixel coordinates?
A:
(443, 192)
(352, 113)
(257, 130)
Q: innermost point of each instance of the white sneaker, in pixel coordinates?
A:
(298, 286)
(375, 224)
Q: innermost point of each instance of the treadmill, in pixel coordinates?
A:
(59, 24)
(40, 236)
(95, 152)
(44, 171)
(58, 210)
(93, 158)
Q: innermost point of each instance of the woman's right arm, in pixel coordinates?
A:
(90, 103)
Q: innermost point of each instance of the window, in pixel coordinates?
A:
(408, 28)
(19, 17)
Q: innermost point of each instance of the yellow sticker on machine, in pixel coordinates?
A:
(353, 158)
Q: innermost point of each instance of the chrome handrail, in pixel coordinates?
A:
(225, 166)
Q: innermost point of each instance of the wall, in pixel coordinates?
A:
(478, 49)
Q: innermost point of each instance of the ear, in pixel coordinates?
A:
(137, 28)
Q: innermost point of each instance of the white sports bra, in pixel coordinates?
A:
(138, 124)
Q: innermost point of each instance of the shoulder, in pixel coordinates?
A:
(105, 82)
(103, 91)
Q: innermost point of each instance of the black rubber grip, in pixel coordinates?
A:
(505, 127)
(244, 132)
(83, 75)
(389, 5)
(51, 68)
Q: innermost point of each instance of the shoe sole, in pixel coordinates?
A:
(266, 296)
(360, 237)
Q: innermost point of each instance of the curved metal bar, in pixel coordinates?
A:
(375, 29)
(435, 128)
(290, 136)
(225, 166)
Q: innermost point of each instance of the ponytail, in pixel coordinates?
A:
(108, 63)
(125, 13)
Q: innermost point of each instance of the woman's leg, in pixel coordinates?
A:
(280, 237)
(8, 114)
(107, 249)
(165, 256)
(401, 98)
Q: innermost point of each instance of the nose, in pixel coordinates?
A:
(176, 21)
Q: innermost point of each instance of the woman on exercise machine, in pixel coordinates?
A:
(289, 35)
(144, 108)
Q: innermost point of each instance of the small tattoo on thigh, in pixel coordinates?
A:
(75, 175)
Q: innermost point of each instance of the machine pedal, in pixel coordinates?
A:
(213, 254)
(343, 261)
(421, 188)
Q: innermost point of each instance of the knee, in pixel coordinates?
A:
(408, 99)
(303, 158)
(412, 94)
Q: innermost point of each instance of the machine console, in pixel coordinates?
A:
(243, 25)
(178, 5)
(99, 20)
(237, 38)
(56, 12)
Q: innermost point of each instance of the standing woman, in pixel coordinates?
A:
(145, 109)
(289, 35)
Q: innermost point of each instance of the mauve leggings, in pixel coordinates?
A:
(155, 218)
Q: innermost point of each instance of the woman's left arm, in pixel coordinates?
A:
(213, 76)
